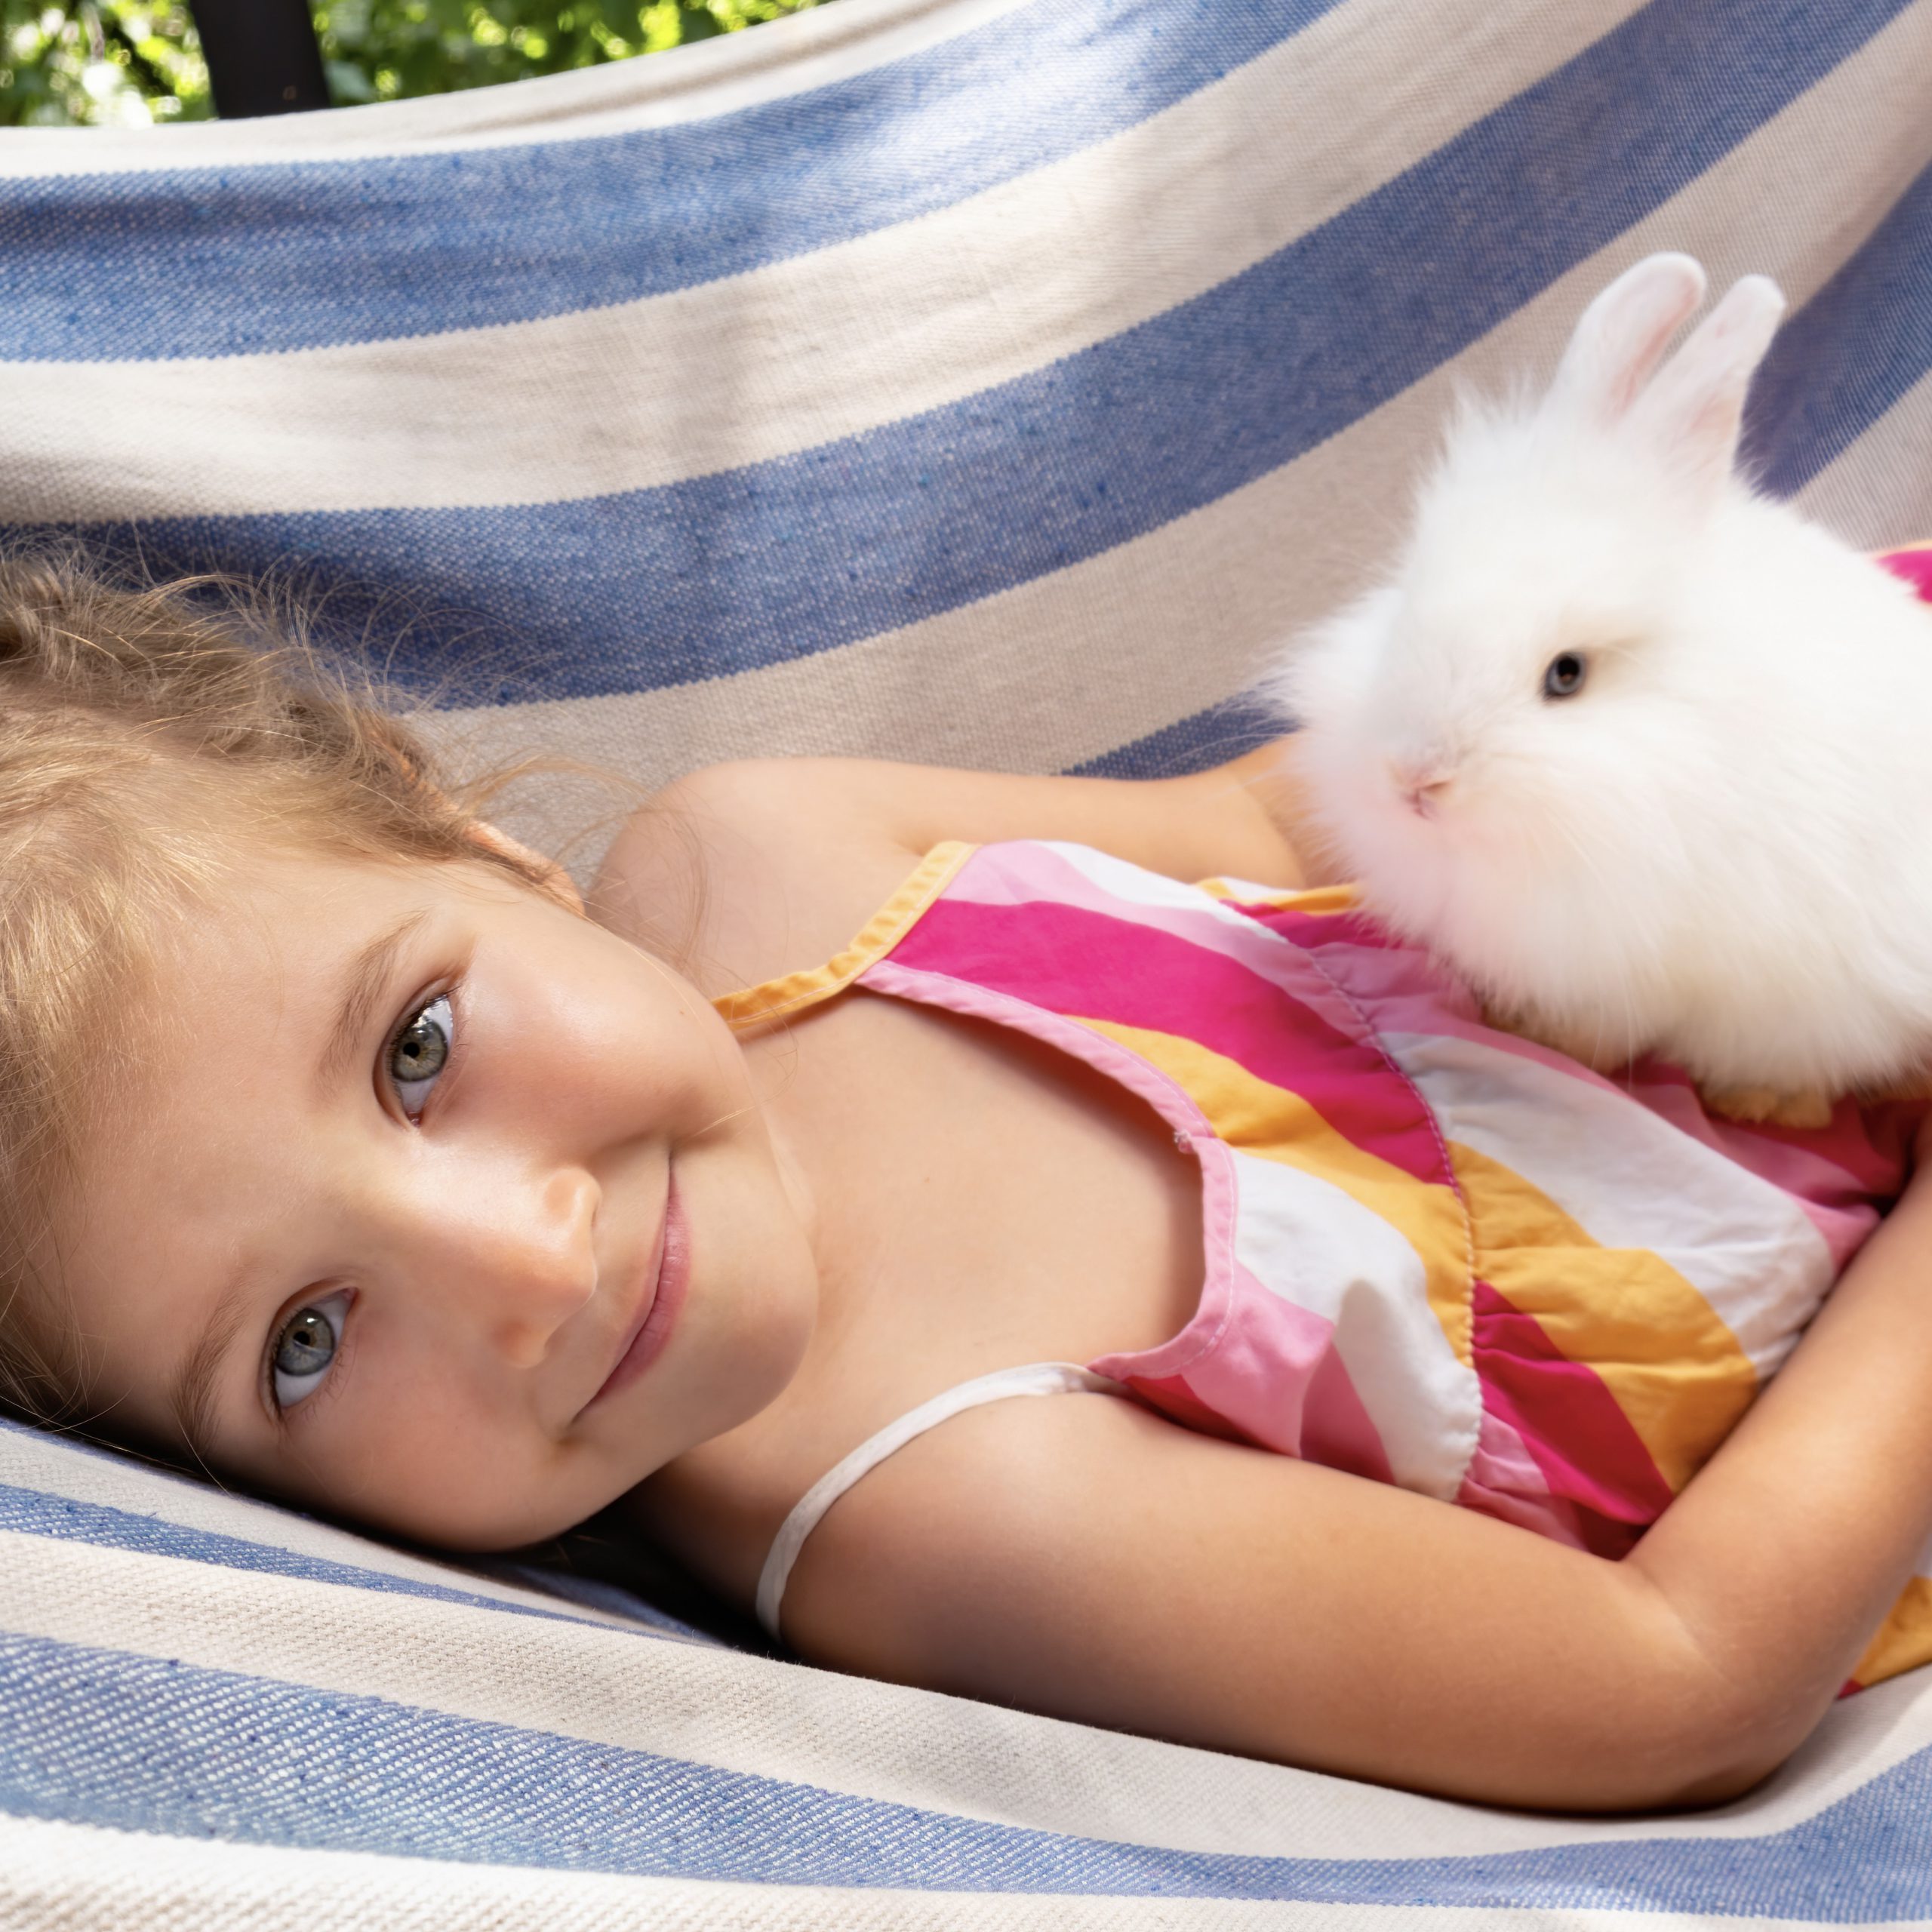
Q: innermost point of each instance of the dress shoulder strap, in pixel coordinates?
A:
(753, 1007)
(1039, 1378)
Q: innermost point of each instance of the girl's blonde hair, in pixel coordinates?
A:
(145, 729)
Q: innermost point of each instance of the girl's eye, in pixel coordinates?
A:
(1563, 677)
(305, 1346)
(418, 1054)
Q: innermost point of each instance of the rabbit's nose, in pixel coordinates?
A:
(1419, 784)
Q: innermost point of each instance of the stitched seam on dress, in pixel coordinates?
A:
(1113, 1047)
(753, 1007)
(1401, 1073)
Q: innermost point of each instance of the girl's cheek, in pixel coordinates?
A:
(434, 1460)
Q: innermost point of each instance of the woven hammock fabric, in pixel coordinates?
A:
(984, 383)
(989, 382)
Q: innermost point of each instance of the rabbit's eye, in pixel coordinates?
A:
(1563, 677)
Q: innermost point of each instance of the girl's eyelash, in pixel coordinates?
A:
(341, 1300)
(435, 1050)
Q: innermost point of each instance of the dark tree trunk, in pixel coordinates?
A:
(261, 57)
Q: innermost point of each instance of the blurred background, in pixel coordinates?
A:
(95, 62)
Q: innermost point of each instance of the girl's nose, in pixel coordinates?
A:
(525, 1262)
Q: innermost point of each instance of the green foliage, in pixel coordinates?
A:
(380, 50)
(99, 62)
(90, 62)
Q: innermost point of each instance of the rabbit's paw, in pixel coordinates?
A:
(1768, 1107)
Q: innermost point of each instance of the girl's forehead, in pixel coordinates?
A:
(245, 995)
(302, 914)
(257, 955)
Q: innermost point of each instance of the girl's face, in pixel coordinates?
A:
(432, 1204)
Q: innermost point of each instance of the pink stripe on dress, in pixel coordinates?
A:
(1277, 1375)
(1313, 930)
(1012, 876)
(1582, 1443)
(1913, 565)
(1271, 1369)
(1869, 1146)
(1402, 991)
(1090, 966)
(1504, 1480)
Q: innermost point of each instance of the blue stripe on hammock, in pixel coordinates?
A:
(138, 1743)
(770, 563)
(1196, 743)
(34, 1512)
(216, 261)
(1850, 353)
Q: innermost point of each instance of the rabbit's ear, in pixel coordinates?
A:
(1622, 336)
(1695, 408)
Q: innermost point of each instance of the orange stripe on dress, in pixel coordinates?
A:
(1259, 1118)
(1665, 1355)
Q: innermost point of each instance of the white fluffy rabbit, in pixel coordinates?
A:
(1645, 756)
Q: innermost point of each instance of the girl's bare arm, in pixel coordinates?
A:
(1078, 1556)
(742, 870)
(1228, 820)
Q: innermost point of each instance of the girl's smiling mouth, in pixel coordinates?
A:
(663, 1296)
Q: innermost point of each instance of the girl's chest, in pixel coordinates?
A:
(984, 1199)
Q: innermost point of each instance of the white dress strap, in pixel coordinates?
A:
(1038, 1378)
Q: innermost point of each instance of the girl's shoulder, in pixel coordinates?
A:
(740, 872)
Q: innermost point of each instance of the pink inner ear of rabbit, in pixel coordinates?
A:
(1622, 335)
(1696, 405)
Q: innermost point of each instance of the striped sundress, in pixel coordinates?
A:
(1435, 1253)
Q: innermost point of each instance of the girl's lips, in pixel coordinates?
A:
(670, 1271)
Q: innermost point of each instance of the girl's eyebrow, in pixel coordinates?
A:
(368, 972)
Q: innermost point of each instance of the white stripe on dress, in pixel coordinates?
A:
(1630, 1179)
(1313, 1243)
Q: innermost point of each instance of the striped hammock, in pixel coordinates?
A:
(986, 382)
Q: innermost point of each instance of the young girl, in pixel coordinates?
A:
(346, 1155)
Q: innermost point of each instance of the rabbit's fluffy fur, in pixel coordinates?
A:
(1719, 846)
